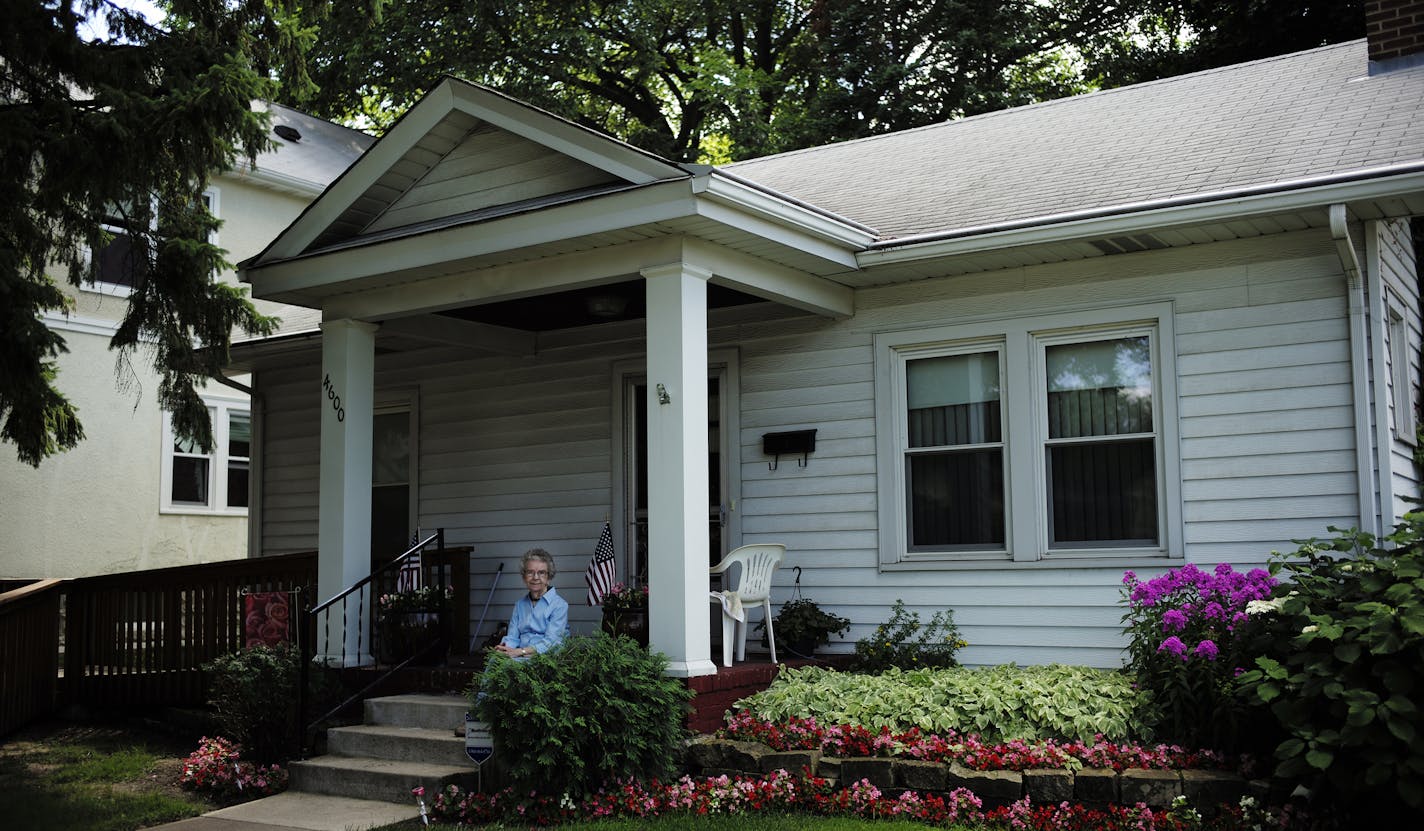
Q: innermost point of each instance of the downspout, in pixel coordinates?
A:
(1359, 367)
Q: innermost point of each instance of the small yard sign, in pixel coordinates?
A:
(479, 744)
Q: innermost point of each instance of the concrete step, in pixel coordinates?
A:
(402, 744)
(382, 779)
(436, 712)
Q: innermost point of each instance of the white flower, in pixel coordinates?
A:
(1311, 628)
(1264, 607)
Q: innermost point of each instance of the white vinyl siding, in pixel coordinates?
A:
(515, 452)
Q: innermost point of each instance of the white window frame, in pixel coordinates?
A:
(1024, 406)
(1401, 373)
(221, 409)
(120, 290)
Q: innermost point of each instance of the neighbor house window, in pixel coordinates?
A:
(121, 264)
(216, 482)
(1034, 439)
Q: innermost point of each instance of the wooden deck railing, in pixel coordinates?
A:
(139, 638)
(29, 653)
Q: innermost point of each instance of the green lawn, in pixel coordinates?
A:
(94, 778)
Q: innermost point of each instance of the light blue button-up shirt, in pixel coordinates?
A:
(540, 625)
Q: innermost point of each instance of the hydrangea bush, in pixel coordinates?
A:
(1341, 668)
(1188, 630)
(216, 768)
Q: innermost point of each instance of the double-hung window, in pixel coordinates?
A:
(1035, 439)
(195, 482)
(119, 265)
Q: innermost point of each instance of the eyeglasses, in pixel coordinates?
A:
(542, 575)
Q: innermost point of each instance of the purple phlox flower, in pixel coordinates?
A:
(1175, 646)
(1174, 620)
(1223, 569)
(1129, 577)
(1213, 611)
(1207, 649)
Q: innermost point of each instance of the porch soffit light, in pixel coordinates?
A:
(605, 305)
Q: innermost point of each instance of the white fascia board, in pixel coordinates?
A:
(506, 282)
(282, 182)
(359, 177)
(79, 323)
(573, 140)
(771, 281)
(720, 187)
(441, 250)
(1128, 219)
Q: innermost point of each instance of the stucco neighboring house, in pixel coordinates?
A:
(128, 497)
(1170, 323)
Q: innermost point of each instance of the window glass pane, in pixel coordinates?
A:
(190, 480)
(120, 262)
(953, 400)
(390, 449)
(956, 499)
(1099, 388)
(237, 484)
(239, 435)
(1104, 492)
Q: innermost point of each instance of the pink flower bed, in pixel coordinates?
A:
(781, 791)
(216, 768)
(967, 749)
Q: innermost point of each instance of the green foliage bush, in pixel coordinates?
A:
(903, 642)
(1342, 665)
(1000, 703)
(597, 709)
(253, 696)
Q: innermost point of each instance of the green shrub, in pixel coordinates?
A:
(902, 642)
(999, 703)
(599, 708)
(253, 696)
(1343, 665)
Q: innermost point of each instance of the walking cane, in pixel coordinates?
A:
(474, 638)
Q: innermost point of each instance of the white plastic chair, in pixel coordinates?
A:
(753, 587)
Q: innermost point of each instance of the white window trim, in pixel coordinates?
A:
(1401, 375)
(217, 470)
(118, 290)
(1026, 531)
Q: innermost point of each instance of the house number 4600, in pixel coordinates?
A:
(333, 397)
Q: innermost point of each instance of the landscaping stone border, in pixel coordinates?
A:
(1204, 789)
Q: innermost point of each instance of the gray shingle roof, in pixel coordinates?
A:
(1296, 116)
(323, 152)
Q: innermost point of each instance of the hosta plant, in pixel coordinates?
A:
(1343, 666)
(998, 703)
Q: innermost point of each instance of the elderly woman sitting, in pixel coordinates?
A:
(541, 618)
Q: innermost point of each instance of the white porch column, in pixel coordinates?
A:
(677, 467)
(348, 363)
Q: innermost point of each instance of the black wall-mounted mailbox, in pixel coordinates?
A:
(792, 441)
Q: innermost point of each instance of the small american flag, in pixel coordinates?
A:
(601, 569)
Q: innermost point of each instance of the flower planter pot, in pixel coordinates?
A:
(632, 623)
(404, 634)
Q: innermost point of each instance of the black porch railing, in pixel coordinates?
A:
(352, 618)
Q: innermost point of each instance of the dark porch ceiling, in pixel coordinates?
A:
(569, 309)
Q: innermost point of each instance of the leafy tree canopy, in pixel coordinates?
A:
(129, 126)
(714, 79)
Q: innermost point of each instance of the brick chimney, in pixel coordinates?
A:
(1395, 29)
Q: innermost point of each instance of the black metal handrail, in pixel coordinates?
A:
(358, 591)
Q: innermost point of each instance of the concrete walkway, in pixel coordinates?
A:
(293, 811)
